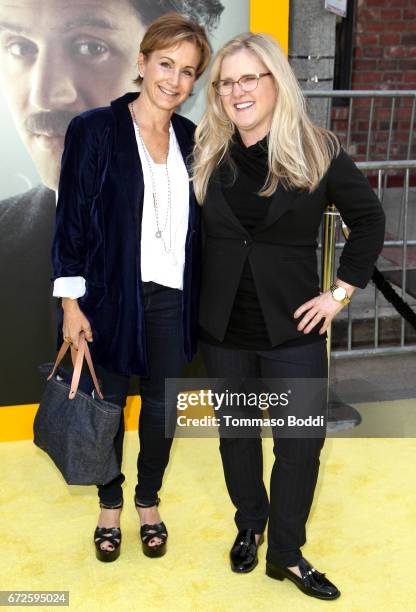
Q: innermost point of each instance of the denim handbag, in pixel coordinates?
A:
(76, 429)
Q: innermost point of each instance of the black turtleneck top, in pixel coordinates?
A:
(246, 327)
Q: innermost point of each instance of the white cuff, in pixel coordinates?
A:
(69, 286)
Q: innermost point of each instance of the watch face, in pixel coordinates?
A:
(339, 293)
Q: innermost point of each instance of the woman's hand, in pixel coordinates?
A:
(322, 307)
(74, 322)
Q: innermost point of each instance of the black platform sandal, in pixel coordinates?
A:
(148, 532)
(107, 534)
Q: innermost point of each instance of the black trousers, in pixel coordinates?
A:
(296, 466)
(164, 337)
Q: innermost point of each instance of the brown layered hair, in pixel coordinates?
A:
(170, 30)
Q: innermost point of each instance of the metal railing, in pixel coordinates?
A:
(391, 103)
(372, 95)
(331, 227)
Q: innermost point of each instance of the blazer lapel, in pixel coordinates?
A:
(127, 154)
(184, 139)
(281, 202)
(218, 199)
(185, 142)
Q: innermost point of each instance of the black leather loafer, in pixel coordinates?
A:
(243, 554)
(312, 583)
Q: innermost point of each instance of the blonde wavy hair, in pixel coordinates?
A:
(299, 152)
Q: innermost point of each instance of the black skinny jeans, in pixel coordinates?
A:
(164, 337)
(296, 466)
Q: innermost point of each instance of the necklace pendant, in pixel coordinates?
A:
(158, 234)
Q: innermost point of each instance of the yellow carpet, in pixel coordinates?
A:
(361, 532)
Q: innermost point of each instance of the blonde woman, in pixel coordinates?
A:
(263, 174)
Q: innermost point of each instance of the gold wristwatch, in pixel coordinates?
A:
(339, 294)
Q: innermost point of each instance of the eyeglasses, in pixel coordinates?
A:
(248, 82)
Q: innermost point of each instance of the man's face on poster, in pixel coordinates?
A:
(59, 58)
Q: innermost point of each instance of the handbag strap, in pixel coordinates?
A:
(77, 360)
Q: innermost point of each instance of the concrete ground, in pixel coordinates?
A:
(371, 379)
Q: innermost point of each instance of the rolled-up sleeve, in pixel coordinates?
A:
(349, 190)
(76, 190)
(69, 286)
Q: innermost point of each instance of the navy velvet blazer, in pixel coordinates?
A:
(98, 230)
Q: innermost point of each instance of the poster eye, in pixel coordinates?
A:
(91, 49)
(22, 49)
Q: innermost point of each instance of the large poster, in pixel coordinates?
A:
(58, 59)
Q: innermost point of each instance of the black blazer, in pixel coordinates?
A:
(282, 249)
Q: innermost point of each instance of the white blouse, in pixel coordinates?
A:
(156, 264)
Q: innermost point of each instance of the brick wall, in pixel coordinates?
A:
(384, 58)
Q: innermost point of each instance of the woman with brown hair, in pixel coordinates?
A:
(126, 255)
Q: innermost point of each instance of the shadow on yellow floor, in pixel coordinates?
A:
(361, 532)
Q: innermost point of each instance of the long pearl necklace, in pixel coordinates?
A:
(156, 206)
